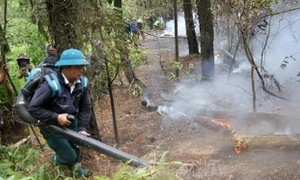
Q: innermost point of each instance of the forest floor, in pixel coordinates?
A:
(205, 153)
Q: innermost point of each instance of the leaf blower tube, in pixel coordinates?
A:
(21, 107)
(23, 98)
(97, 145)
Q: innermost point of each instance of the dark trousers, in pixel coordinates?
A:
(67, 153)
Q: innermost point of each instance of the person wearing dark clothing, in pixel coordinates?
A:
(134, 30)
(54, 110)
(24, 65)
(51, 58)
(152, 20)
(133, 26)
(127, 26)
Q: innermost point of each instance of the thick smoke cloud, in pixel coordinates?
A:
(234, 93)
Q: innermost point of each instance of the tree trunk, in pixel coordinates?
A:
(65, 24)
(128, 69)
(63, 21)
(118, 3)
(206, 38)
(93, 127)
(9, 92)
(190, 27)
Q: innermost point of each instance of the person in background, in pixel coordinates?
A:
(55, 110)
(151, 20)
(24, 65)
(161, 19)
(51, 58)
(146, 19)
(156, 24)
(134, 30)
(141, 29)
(127, 26)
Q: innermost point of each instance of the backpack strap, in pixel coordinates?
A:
(84, 83)
(54, 84)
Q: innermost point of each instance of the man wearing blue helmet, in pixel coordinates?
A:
(54, 110)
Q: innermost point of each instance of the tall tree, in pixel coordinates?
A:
(121, 44)
(64, 23)
(206, 37)
(124, 51)
(190, 27)
(67, 25)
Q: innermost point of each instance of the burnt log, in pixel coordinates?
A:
(280, 141)
(254, 122)
(250, 116)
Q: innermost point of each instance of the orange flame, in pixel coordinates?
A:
(238, 148)
(223, 122)
(283, 147)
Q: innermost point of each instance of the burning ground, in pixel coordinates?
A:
(200, 134)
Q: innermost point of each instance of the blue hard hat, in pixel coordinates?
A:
(72, 57)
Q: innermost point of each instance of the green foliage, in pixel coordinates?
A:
(100, 178)
(176, 65)
(23, 36)
(191, 65)
(171, 76)
(164, 170)
(137, 57)
(17, 163)
(3, 99)
(248, 13)
(137, 8)
(22, 163)
(18, 83)
(189, 69)
(136, 90)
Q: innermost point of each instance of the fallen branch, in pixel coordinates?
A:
(280, 141)
(21, 142)
(173, 163)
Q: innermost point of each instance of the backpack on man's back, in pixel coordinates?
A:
(36, 77)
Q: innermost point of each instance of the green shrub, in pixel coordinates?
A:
(17, 163)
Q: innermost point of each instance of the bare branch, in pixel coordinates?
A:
(282, 12)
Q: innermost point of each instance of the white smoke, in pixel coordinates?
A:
(235, 93)
(283, 45)
(170, 26)
(283, 49)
